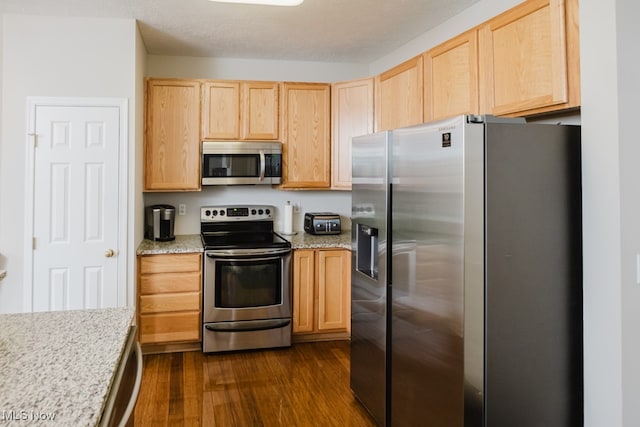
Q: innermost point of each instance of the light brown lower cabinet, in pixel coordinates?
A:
(321, 294)
(170, 298)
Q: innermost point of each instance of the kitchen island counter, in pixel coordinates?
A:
(302, 240)
(58, 367)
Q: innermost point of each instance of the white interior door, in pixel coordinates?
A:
(76, 230)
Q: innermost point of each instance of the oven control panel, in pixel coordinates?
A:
(236, 213)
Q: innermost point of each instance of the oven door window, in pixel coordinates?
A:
(231, 165)
(245, 284)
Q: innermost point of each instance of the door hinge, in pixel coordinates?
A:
(33, 243)
(34, 139)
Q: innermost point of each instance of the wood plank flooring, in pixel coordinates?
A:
(305, 385)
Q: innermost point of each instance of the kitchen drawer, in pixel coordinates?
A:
(170, 282)
(163, 303)
(170, 327)
(170, 263)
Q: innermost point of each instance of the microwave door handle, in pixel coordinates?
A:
(262, 165)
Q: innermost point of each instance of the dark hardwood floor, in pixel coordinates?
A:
(305, 385)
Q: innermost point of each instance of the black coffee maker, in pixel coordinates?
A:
(159, 221)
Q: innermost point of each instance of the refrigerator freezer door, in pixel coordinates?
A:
(369, 272)
(427, 274)
(533, 292)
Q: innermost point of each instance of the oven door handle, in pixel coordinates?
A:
(245, 252)
(248, 326)
(246, 259)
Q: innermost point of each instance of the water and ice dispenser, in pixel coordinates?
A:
(367, 252)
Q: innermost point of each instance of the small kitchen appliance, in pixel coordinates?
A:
(246, 279)
(322, 223)
(159, 222)
(241, 162)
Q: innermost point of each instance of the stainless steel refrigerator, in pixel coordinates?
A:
(467, 274)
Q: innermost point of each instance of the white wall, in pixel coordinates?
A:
(628, 56)
(610, 64)
(309, 201)
(52, 56)
(601, 215)
(253, 69)
(135, 226)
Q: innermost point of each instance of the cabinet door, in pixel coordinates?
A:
(151, 284)
(351, 115)
(170, 327)
(524, 62)
(221, 110)
(161, 303)
(303, 290)
(260, 110)
(399, 95)
(451, 78)
(172, 135)
(306, 135)
(334, 289)
(170, 263)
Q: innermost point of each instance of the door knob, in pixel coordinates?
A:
(109, 253)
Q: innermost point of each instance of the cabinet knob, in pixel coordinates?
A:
(109, 253)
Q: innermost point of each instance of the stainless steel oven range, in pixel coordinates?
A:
(247, 279)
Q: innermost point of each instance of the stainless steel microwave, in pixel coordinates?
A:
(241, 162)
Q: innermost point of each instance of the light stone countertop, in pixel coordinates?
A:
(185, 243)
(56, 368)
(302, 240)
(189, 243)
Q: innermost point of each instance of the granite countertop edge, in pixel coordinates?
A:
(192, 243)
(183, 243)
(302, 240)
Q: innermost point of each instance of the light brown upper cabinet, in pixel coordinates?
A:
(529, 59)
(306, 135)
(260, 110)
(221, 110)
(351, 115)
(399, 95)
(451, 78)
(234, 110)
(172, 135)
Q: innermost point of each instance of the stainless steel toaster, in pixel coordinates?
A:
(322, 223)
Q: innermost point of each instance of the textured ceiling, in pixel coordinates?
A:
(317, 30)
